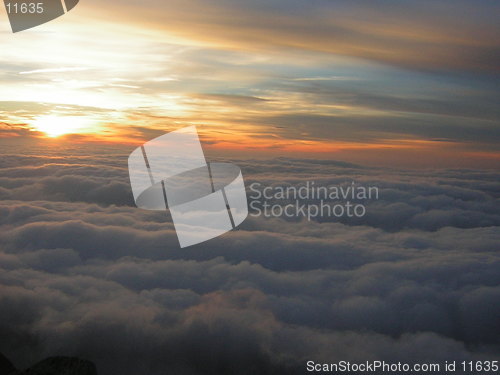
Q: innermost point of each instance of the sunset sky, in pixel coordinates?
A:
(391, 83)
(395, 94)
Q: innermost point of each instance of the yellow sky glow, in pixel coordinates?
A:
(55, 126)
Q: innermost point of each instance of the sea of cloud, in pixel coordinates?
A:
(83, 272)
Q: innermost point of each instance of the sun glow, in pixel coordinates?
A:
(55, 126)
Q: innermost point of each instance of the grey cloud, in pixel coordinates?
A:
(84, 276)
(444, 34)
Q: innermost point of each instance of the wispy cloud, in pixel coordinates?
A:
(318, 78)
(55, 70)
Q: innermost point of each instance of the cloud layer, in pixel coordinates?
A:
(85, 273)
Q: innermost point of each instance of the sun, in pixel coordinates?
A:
(55, 126)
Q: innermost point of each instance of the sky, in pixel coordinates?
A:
(400, 95)
(384, 83)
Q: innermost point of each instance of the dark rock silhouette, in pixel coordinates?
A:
(6, 367)
(51, 366)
